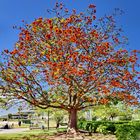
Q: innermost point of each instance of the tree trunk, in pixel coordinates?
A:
(57, 125)
(73, 119)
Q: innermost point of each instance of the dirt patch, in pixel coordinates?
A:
(62, 136)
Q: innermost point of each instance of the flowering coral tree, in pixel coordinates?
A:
(71, 62)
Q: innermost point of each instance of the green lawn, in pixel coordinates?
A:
(42, 134)
(30, 135)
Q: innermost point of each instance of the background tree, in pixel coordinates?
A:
(59, 116)
(126, 112)
(9, 116)
(55, 114)
(109, 112)
(82, 114)
(75, 58)
(136, 114)
(106, 112)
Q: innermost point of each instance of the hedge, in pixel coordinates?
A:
(26, 121)
(124, 130)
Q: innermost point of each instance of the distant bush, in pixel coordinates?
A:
(126, 117)
(26, 121)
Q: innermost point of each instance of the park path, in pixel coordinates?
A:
(14, 130)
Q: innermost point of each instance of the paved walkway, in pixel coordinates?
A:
(14, 130)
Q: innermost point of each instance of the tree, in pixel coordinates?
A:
(136, 114)
(106, 112)
(71, 61)
(9, 116)
(3, 101)
(126, 112)
(58, 116)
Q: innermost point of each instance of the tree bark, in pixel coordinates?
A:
(73, 119)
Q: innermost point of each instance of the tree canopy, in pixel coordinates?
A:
(71, 61)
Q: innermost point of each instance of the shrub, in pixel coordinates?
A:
(126, 132)
(89, 127)
(26, 121)
(82, 118)
(111, 127)
(130, 127)
(102, 129)
(94, 118)
(136, 124)
(95, 126)
(82, 125)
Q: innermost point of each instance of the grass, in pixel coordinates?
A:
(38, 134)
(49, 134)
(26, 135)
(29, 135)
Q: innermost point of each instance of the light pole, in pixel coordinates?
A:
(48, 119)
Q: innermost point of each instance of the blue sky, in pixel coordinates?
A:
(12, 12)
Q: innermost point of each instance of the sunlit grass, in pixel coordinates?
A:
(27, 134)
(30, 134)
